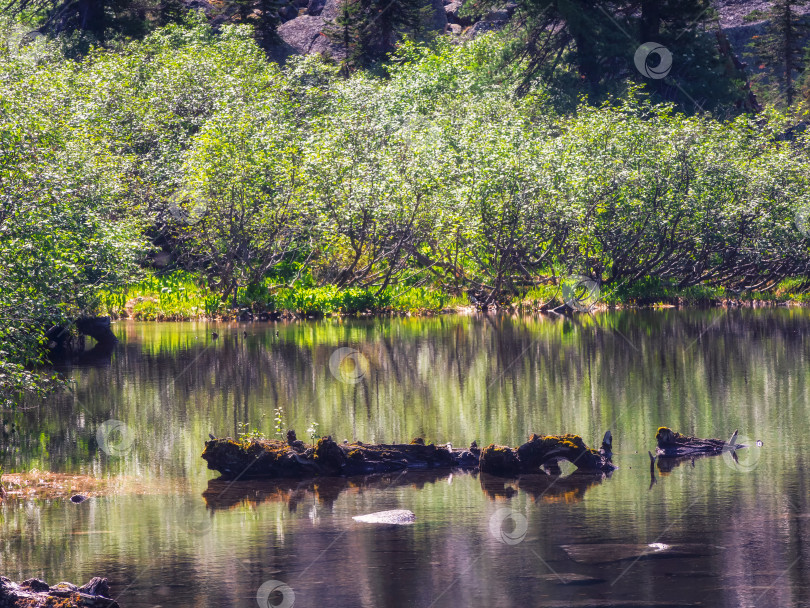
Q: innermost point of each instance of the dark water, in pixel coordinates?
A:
(167, 533)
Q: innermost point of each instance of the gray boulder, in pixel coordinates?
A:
(305, 35)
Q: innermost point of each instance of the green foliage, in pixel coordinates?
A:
(368, 29)
(278, 420)
(294, 189)
(782, 46)
(246, 436)
(580, 48)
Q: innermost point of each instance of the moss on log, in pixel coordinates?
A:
(271, 459)
(543, 452)
(34, 593)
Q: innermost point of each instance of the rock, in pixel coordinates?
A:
(603, 603)
(497, 15)
(571, 579)
(482, 27)
(315, 7)
(607, 553)
(396, 517)
(285, 13)
(454, 28)
(451, 12)
(439, 16)
(305, 35)
(78, 498)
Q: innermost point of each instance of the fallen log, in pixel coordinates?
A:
(543, 453)
(34, 593)
(672, 444)
(252, 458)
(273, 459)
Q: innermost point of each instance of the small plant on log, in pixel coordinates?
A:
(279, 420)
(246, 436)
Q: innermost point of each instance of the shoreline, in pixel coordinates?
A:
(519, 308)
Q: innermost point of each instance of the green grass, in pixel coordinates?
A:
(171, 297)
(183, 296)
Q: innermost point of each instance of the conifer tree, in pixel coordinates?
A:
(782, 44)
(368, 29)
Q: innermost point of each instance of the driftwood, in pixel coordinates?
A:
(272, 459)
(33, 593)
(675, 449)
(269, 459)
(672, 444)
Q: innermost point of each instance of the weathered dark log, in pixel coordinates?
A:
(544, 452)
(270, 459)
(98, 328)
(267, 458)
(672, 444)
(34, 593)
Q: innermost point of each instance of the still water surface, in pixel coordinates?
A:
(169, 534)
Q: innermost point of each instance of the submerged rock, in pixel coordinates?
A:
(395, 517)
(34, 593)
(618, 603)
(606, 553)
(571, 578)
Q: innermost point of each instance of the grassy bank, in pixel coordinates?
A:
(180, 296)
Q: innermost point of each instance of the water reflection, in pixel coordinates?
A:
(225, 494)
(540, 487)
(324, 491)
(173, 537)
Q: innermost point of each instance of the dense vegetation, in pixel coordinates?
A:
(189, 170)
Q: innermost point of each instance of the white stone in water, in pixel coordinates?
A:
(397, 517)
